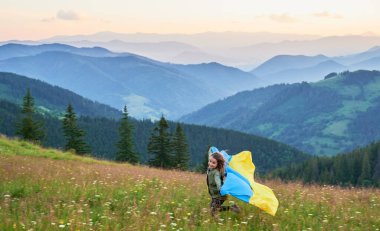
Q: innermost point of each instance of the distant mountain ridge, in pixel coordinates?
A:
(298, 68)
(238, 49)
(164, 51)
(285, 62)
(330, 46)
(12, 50)
(307, 74)
(149, 88)
(359, 57)
(215, 39)
(324, 118)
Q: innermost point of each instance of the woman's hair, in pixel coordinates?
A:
(220, 162)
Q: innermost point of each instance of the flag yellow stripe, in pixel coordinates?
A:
(263, 197)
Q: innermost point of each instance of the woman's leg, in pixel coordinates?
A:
(223, 207)
(214, 206)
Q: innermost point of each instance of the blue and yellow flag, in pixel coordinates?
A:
(240, 182)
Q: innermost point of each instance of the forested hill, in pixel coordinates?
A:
(331, 116)
(102, 136)
(360, 167)
(51, 99)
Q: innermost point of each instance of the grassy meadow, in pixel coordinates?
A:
(45, 189)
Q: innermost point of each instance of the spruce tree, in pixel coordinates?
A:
(28, 128)
(74, 135)
(365, 176)
(125, 145)
(180, 149)
(159, 145)
(376, 173)
(202, 167)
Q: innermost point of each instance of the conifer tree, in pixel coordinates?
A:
(28, 128)
(74, 135)
(125, 145)
(365, 176)
(202, 167)
(159, 145)
(180, 149)
(376, 174)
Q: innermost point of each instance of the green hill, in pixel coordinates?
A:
(324, 118)
(51, 99)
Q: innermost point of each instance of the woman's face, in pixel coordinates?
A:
(212, 163)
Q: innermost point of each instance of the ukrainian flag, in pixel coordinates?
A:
(240, 182)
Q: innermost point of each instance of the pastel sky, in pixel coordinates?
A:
(37, 19)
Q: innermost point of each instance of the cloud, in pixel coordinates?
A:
(67, 15)
(326, 14)
(285, 18)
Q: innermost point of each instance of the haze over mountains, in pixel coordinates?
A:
(238, 49)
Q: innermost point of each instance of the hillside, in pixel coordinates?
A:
(324, 118)
(102, 136)
(44, 189)
(148, 87)
(51, 99)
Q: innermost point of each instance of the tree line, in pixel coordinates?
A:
(166, 150)
(360, 167)
(102, 135)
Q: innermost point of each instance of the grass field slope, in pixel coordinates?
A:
(45, 189)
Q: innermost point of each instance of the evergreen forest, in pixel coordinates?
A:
(102, 136)
(360, 167)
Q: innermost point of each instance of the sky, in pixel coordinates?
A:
(39, 19)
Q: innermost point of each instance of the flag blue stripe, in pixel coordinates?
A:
(237, 186)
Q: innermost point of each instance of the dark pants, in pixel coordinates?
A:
(216, 205)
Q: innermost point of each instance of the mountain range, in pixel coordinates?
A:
(242, 50)
(327, 117)
(12, 50)
(298, 68)
(149, 88)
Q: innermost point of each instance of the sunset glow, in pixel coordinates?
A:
(20, 20)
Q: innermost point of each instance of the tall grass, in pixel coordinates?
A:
(61, 192)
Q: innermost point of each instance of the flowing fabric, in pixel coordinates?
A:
(240, 182)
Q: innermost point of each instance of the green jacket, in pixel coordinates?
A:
(214, 183)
